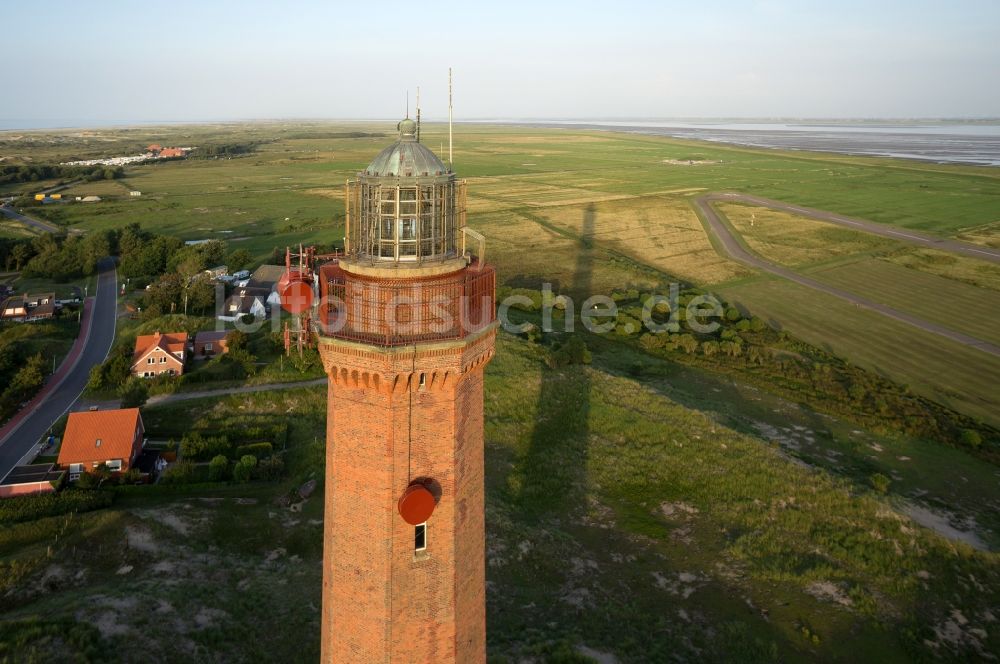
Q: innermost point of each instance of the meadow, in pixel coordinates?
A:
(641, 506)
(638, 518)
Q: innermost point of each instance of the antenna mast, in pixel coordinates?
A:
(450, 158)
(418, 114)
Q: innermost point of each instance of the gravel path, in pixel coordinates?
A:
(184, 396)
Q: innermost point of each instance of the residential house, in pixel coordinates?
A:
(244, 301)
(26, 308)
(158, 353)
(112, 438)
(210, 344)
(26, 480)
(267, 277)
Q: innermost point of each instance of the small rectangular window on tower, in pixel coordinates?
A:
(420, 537)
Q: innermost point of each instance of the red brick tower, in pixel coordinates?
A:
(406, 327)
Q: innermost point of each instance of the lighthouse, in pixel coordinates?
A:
(406, 326)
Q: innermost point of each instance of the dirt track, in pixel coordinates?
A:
(903, 235)
(721, 231)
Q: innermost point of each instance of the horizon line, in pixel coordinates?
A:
(125, 124)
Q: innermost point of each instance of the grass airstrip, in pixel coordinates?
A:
(652, 515)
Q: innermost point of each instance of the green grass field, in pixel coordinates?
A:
(635, 506)
(620, 516)
(957, 376)
(957, 305)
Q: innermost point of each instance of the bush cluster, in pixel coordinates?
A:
(29, 508)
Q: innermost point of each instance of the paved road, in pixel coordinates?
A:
(903, 235)
(739, 253)
(60, 396)
(43, 226)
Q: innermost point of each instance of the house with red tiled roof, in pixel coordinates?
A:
(112, 438)
(159, 353)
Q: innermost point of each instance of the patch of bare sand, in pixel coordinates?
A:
(597, 655)
(941, 524)
(141, 539)
(829, 592)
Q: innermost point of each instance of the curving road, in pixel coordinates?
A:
(43, 226)
(903, 235)
(739, 253)
(19, 436)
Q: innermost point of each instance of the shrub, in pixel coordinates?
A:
(181, 472)
(218, 468)
(971, 438)
(687, 343)
(532, 333)
(134, 393)
(29, 508)
(627, 325)
(651, 341)
(572, 351)
(236, 340)
(307, 360)
(244, 468)
(95, 380)
(130, 476)
(198, 448)
(239, 363)
(880, 483)
(270, 469)
(257, 450)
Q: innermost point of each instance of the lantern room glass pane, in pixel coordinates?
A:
(406, 222)
(408, 229)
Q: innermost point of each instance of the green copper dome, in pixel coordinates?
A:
(406, 157)
(407, 127)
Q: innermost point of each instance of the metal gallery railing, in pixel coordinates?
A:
(398, 312)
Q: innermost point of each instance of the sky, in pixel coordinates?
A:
(115, 62)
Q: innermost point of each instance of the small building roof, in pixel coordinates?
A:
(210, 337)
(97, 435)
(38, 472)
(266, 276)
(244, 301)
(41, 304)
(171, 342)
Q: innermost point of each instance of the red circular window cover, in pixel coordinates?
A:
(296, 297)
(416, 504)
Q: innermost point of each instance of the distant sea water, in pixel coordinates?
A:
(944, 142)
(947, 142)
